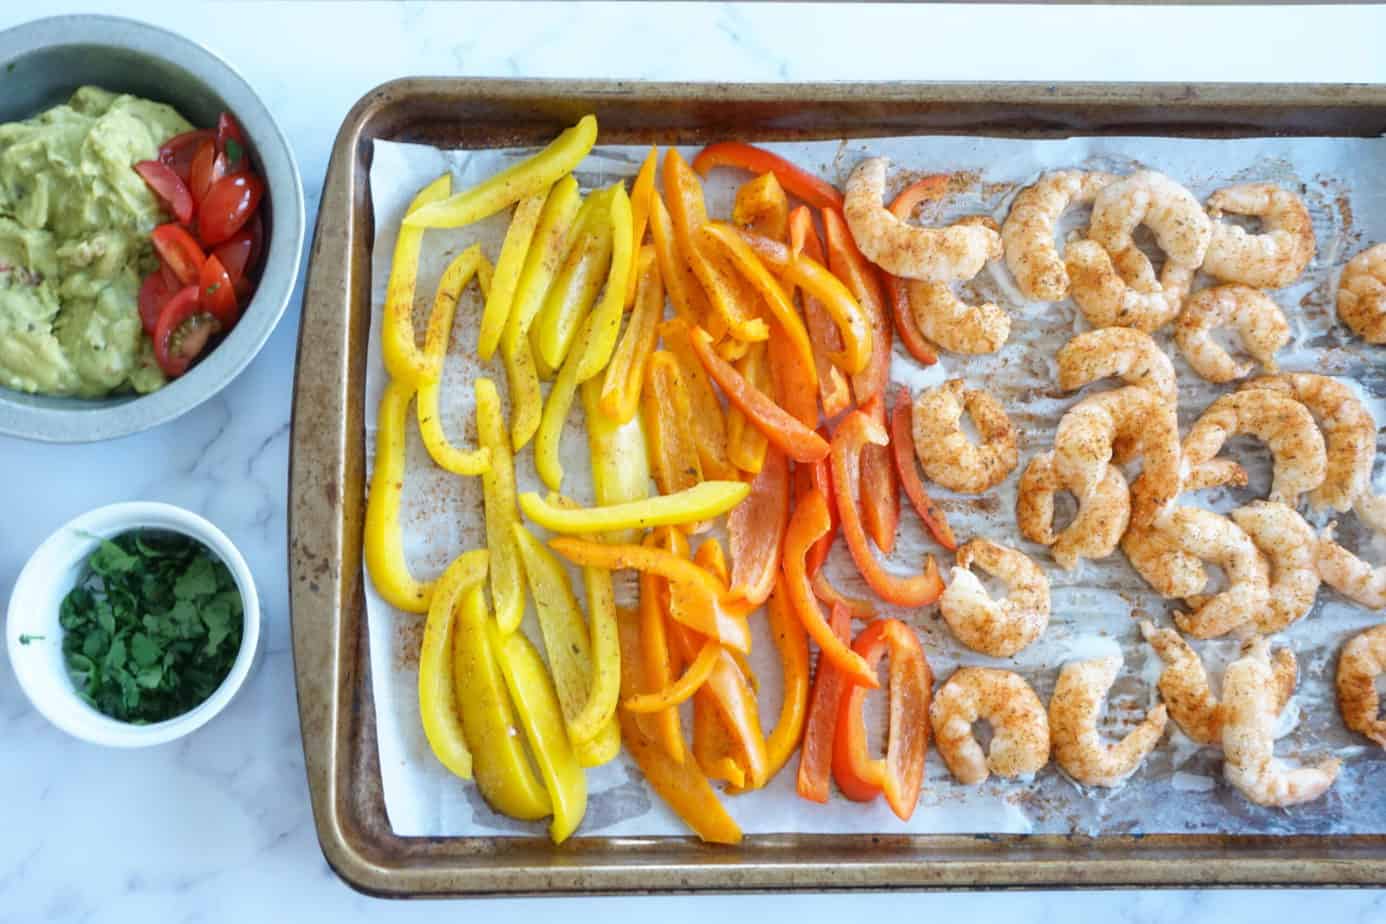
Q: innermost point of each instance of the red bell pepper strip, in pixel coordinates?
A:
(880, 495)
(809, 521)
(813, 190)
(820, 475)
(793, 389)
(782, 430)
(755, 531)
(859, 275)
(902, 447)
(816, 751)
(897, 294)
(901, 772)
(833, 389)
(856, 431)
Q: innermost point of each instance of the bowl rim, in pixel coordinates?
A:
(86, 421)
(108, 521)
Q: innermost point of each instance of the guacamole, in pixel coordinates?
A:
(74, 245)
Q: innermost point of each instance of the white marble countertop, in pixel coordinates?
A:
(218, 827)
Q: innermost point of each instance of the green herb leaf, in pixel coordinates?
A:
(25, 638)
(199, 580)
(111, 559)
(234, 152)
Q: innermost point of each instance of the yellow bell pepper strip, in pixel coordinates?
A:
(673, 453)
(761, 206)
(830, 685)
(701, 502)
(556, 409)
(619, 456)
(605, 692)
(676, 780)
(403, 360)
(511, 262)
(783, 431)
(447, 456)
(801, 184)
(384, 547)
(685, 292)
(458, 273)
(499, 762)
(861, 277)
(681, 690)
(791, 643)
(512, 184)
(781, 308)
(498, 493)
(657, 673)
(538, 709)
(745, 444)
(606, 316)
(755, 531)
(526, 400)
(641, 192)
(713, 747)
(575, 289)
(442, 723)
(708, 422)
(625, 374)
(833, 388)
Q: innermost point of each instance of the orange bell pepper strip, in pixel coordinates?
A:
(801, 184)
(746, 445)
(708, 422)
(791, 387)
(761, 206)
(860, 276)
(641, 192)
(625, 374)
(897, 294)
(733, 701)
(677, 781)
(833, 389)
(902, 448)
(668, 417)
(755, 532)
(712, 744)
(791, 643)
(852, 434)
(816, 750)
(782, 430)
(820, 475)
(685, 292)
(880, 495)
(901, 772)
(664, 726)
(681, 690)
(824, 590)
(808, 522)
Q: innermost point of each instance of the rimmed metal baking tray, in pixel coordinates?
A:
(327, 487)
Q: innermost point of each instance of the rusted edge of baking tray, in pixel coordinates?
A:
(326, 491)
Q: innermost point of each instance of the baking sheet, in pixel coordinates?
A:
(1179, 789)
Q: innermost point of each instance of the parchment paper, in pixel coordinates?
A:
(1095, 609)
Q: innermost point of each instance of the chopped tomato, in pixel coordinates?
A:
(228, 206)
(231, 142)
(178, 152)
(219, 293)
(179, 252)
(156, 290)
(182, 332)
(208, 167)
(171, 190)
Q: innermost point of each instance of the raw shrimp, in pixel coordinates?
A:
(1028, 234)
(909, 251)
(1248, 737)
(1362, 294)
(1348, 574)
(1349, 436)
(1185, 690)
(952, 324)
(1289, 545)
(1152, 199)
(1019, 725)
(999, 628)
(1095, 530)
(1362, 661)
(1271, 259)
(1125, 352)
(1078, 746)
(948, 456)
(1258, 321)
(1282, 423)
(1122, 291)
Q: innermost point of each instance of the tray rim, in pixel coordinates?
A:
(325, 574)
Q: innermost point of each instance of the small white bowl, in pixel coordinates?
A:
(53, 570)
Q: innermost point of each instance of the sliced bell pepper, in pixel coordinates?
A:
(833, 388)
(447, 456)
(383, 542)
(548, 251)
(813, 190)
(500, 764)
(442, 723)
(731, 349)
(897, 293)
(782, 430)
(708, 421)
(856, 431)
(537, 706)
(791, 388)
(658, 672)
(712, 745)
(761, 206)
(526, 400)
(746, 445)
(682, 689)
(685, 291)
(755, 532)
(498, 492)
(641, 193)
(619, 457)
(606, 314)
(792, 645)
(829, 686)
(701, 502)
(512, 184)
(902, 448)
(824, 590)
(819, 475)
(625, 374)
(669, 423)
(403, 359)
(860, 276)
(509, 265)
(880, 495)
(676, 780)
(575, 289)
(730, 695)
(901, 772)
(556, 409)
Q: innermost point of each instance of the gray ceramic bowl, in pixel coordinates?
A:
(41, 63)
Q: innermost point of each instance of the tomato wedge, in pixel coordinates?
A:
(170, 189)
(234, 254)
(179, 251)
(182, 332)
(207, 168)
(228, 206)
(219, 293)
(231, 143)
(178, 152)
(155, 291)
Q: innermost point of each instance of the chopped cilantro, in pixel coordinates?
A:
(234, 152)
(26, 638)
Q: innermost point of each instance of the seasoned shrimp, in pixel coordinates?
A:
(1096, 529)
(1282, 423)
(1125, 352)
(1349, 435)
(1028, 234)
(952, 324)
(1371, 510)
(999, 628)
(1362, 294)
(1248, 737)
(1185, 690)
(1078, 746)
(1348, 574)
(1362, 661)
(1258, 321)
(948, 456)
(1289, 545)
(1122, 291)
(909, 251)
(1019, 725)
(1269, 260)
(1164, 206)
